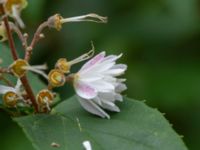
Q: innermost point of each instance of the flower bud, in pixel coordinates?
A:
(10, 99)
(18, 67)
(56, 78)
(63, 65)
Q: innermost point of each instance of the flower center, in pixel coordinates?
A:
(56, 78)
(10, 99)
(18, 67)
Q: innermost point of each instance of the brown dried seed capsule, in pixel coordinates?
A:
(63, 65)
(56, 78)
(10, 99)
(44, 97)
(18, 67)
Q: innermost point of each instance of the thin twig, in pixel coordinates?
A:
(4, 70)
(12, 46)
(36, 38)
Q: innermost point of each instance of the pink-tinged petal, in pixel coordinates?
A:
(102, 86)
(84, 90)
(93, 61)
(102, 67)
(93, 108)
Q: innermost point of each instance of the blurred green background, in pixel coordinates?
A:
(160, 40)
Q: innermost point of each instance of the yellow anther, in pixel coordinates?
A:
(56, 78)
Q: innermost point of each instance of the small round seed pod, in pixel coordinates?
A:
(18, 67)
(44, 98)
(63, 65)
(56, 78)
(10, 99)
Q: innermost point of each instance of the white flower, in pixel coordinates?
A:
(87, 145)
(97, 85)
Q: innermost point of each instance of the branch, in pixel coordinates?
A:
(36, 38)
(24, 80)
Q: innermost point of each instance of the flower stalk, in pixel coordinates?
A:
(23, 79)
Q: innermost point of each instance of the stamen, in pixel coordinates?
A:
(36, 70)
(16, 15)
(85, 56)
(40, 67)
(18, 85)
(89, 18)
(47, 104)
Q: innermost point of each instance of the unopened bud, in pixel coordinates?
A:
(25, 35)
(41, 35)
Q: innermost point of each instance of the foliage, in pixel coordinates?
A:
(136, 127)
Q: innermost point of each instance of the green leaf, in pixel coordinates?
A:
(136, 127)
